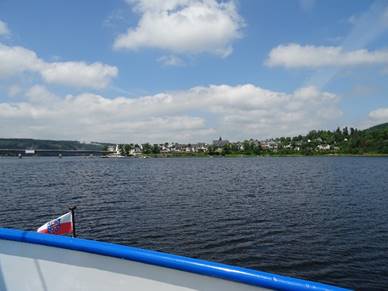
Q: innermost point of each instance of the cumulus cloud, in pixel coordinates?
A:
(309, 56)
(39, 94)
(171, 60)
(4, 30)
(379, 115)
(196, 114)
(183, 26)
(79, 74)
(15, 60)
(14, 90)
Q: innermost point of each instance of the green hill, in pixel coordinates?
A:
(25, 143)
(375, 139)
(377, 128)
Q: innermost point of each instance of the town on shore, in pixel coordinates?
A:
(345, 141)
(322, 142)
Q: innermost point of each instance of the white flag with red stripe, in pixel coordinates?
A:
(60, 225)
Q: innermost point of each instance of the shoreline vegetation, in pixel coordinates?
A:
(262, 155)
(340, 142)
(193, 155)
(371, 142)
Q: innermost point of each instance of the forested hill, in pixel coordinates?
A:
(373, 140)
(379, 129)
(24, 143)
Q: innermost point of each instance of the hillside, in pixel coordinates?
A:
(374, 139)
(24, 143)
(377, 128)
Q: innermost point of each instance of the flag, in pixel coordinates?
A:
(60, 225)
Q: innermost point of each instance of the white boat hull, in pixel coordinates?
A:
(41, 268)
(40, 262)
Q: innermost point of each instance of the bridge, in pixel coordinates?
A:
(50, 152)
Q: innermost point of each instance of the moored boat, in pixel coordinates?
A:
(35, 261)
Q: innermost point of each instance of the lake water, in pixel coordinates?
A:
(317, 218)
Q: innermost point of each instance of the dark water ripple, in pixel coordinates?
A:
(323, 219)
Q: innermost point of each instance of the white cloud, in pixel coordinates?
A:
(196, 114)
(16, 60)
(4, 30)
(79, 74)
(309, 56)
(14, 90)
(40, 95)
(379, 115)
(171, 60)
(184, 26)
(375, 117)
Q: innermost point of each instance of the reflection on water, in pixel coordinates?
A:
(318, 218)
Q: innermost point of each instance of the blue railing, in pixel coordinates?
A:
(231, 273)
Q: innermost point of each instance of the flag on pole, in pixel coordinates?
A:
(60, 225)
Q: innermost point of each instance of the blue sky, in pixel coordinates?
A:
(190, 70)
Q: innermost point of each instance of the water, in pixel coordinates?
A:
(317, 218)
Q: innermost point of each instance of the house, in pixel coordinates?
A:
(269, 145)
(136, 150)
(324, 147)
(200, 147)
(220, 142)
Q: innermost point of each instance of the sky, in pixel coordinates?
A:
(190, 70)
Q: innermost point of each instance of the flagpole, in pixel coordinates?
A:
(73, 218)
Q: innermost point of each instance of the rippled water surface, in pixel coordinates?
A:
(323, 219)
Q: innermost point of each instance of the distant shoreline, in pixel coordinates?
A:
(201, 155)
(258, 156)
